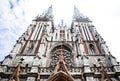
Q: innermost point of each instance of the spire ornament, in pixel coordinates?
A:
(104, 75)
(77, 16)
(16, 73)
(38, 74)
(46, 16)
(61, 65)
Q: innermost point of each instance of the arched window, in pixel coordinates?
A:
(103, 51)
(56, 36)
(30, 48)
(92, 49)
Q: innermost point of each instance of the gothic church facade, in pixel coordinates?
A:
(46, 52)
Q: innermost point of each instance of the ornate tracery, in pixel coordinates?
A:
(60, 72)
(67, 53)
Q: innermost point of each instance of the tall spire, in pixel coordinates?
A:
(49, 12)
(47, 15)
(79, 16)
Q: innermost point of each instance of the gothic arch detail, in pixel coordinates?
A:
(60, 76)
(67, 53)
(92, 48)
(62, 43)
(60, 72)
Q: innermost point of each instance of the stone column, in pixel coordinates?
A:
(31, 79)
(86, 64)
(90, 78)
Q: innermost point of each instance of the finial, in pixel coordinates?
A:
(61, 50)
(38, 74)
(61, 58)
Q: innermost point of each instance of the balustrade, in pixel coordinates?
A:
(97, 69)
(22, 69)
(42, 70)
(49, 70)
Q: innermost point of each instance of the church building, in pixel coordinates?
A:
(49, 52)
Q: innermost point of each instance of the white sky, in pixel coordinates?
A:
(16, 15)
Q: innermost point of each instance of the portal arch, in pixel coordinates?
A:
(60, 76)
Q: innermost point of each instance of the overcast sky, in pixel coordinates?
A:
(16, 15)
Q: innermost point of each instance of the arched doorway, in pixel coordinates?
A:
(60, 76)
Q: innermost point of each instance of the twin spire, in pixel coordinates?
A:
(77, 16)
(46, 16)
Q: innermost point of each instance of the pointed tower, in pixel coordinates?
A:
(46, 52)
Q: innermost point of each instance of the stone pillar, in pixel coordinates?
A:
(119, 77)
(34, 69)
(1, 69)
(87, 69)
(86, 64)
(117, 68)
(31, 79)
(90, 78)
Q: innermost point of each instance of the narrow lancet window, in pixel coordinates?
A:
(30, 48)
(92, 49)
(67, 36)
(56, 36)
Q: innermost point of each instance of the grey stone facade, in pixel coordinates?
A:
(84, 51)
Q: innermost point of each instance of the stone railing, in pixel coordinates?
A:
(25, 69)
(43, 70)
(49, 70)
(97, 69)
(22, 69)
(75, 70)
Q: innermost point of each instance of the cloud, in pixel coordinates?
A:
(12, 25)
(11, 5)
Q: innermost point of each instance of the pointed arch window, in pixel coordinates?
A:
(51, 38)
(30, 48)
(67, 36)
(92, 49)
(103, 51)
(62, 34)
(56, 36)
